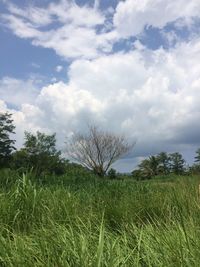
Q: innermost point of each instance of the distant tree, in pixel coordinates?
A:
(194, 169)
(149, 167)
(6, 142)
(112, 174)
(197, 157)
(98, 149)
(40, 153)
(154, 164)
(137, 175)
(164, 163)
(177, 163)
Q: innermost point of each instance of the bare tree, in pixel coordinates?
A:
(98, 149)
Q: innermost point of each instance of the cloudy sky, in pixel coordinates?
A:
(130, 66)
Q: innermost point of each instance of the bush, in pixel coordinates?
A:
(112, 174)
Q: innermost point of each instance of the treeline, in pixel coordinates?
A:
(164, 164)
(96, 151)
(39, 152)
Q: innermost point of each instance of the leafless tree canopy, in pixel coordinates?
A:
(97, 150)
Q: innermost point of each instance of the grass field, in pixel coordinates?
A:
(84, 221)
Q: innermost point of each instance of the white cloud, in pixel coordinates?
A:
(35, 65)
(74, 31)
(16, 92)
(71, 30)
(72, 42)
(54, 79)
(96, 4)
(152, 97)
(20, 27)
(132, 16)
(3, 106)
(37, 16)
(59, 68)
(76, 15)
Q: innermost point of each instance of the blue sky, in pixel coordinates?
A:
(28, 59)
(31, 59)
(132, 66)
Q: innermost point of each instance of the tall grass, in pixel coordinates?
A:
(83, 221)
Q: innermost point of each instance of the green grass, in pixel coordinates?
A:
(81, 221)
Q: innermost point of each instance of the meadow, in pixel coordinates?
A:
(79, 220)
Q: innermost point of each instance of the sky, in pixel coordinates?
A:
(131, 67)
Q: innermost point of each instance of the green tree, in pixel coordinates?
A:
(164, 163)
(154, 164)
(137, 174)
(149, 167)
(6, 142)
(40, 153)
(197, 157)
(177, 163)
(145, 169)
(112, 174)
(194, 169)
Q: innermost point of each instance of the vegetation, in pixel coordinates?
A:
(60, 214)
(177, 163)
(112, 174)
(197, 157)
(6, 143)
(162, 164)
(97, 150)
(40, 153)
(88, 221)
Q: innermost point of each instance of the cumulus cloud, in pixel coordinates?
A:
(151, 96)
(132, 16)
(17, 92)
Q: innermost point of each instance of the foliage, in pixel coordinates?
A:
(40, 153)
(177, 163)
(112, 174)
(137, 174)
(164, 163)
(161, 164)
(197, 157)
(194, 169)
(6, 143)
(149, 167)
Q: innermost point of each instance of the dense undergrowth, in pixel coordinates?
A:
(80, 220)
